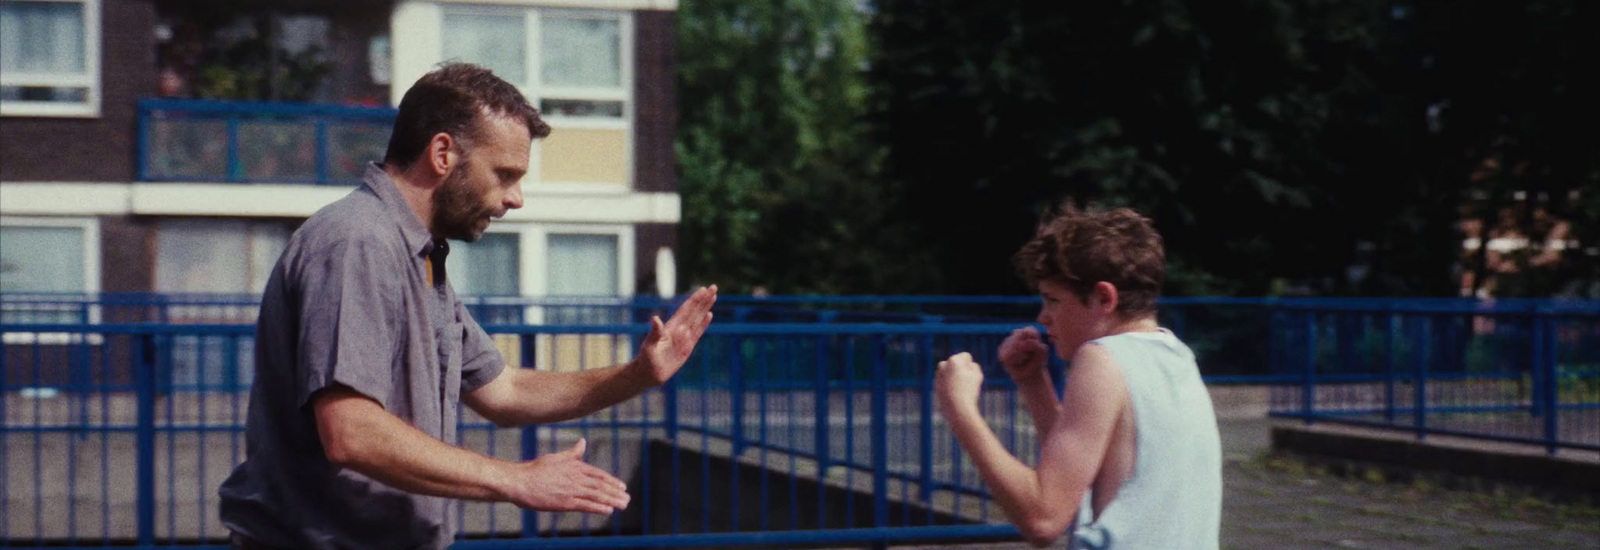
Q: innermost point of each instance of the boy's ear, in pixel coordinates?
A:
(1104, 298)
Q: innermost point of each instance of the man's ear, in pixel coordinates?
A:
(442, 155)
(1104, 298)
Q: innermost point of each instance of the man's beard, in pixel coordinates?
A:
(457, 209)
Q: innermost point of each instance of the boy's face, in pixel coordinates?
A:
(1067, 319)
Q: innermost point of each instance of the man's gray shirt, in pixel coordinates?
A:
(349, 303)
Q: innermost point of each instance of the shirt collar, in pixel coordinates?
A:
(418, 239)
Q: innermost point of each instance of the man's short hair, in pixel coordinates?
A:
(452, 99)
(1078, 248)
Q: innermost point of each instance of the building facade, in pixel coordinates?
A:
(147, 145)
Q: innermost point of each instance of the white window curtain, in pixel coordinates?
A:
(217, 256)
(42, 37)
(582, 265)
(41, 259)
(493, 40)
(46, 258)
(488, 267)
(580, 52)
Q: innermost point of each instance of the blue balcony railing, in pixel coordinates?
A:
(186, 140)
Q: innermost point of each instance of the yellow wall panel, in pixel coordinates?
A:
(584, 156)
(575, 352)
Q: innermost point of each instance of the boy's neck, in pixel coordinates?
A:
(1141, 324)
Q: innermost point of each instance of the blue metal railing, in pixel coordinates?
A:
(120, 432)
(259, 141)
(1236, 337)
(120, 458)
(1524, 372)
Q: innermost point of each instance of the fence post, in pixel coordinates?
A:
(820, 441)
(1388, 361)
(235, 166)
(145, 389)
(736, 388)
(322, 150)
(1545, 363)
(1274, 347)
(1419, 383)
(880, 436)
(925, 395)
(1308, 393)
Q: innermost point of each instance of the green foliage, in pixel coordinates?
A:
(779, 175)
(1283, 147)
(254, 67)
(1277, 143)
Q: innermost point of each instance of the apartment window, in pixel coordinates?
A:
(576, 66)
(587, 262)
(49, 270)
(488, 269)
(216, 257)
(582, 265)
(210, 256)
(50, 57)
(492, 37)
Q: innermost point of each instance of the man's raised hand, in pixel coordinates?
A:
(669, 344)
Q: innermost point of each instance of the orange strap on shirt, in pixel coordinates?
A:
(428, 263)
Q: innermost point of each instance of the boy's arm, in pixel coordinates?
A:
(1042, 502)
(1039, 394)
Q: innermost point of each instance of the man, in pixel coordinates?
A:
(1130, 456)
(363, 349)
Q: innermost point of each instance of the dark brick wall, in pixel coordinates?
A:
(127, 254)
(92, 149)
(656, 101)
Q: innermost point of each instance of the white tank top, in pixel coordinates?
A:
(1174, 499)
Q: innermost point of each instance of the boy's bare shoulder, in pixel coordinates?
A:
(1095, 376)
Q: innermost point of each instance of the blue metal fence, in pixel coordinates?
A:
(775, 433)
(1525, 372)
(259, 141)
(772, 433)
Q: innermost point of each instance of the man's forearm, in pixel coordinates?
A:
(542, 397)
(387, 449)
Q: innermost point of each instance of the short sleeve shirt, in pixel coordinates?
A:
(351, 303)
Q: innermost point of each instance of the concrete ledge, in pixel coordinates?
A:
(1568, 475)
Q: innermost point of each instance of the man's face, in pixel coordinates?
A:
(486, 182)
(1068, 321)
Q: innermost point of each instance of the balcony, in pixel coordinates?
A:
(209, 141)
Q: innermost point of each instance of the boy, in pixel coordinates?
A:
(1130, 456)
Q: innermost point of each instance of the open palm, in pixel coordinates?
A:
(669, 344)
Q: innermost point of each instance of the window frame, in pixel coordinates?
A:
(257, 268)
(91, 278)
(90, 79)
(536, 92)
(535, 252)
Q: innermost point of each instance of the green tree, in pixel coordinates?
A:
(1511, 102)
(779, 173)
(1328, 144)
